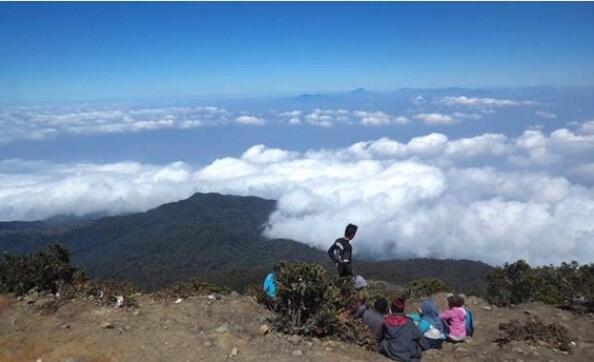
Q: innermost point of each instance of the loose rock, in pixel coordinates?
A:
(294, 339)
(106, 325)
(264, 329)
(234, 352)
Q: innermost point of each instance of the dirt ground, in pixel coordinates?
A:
(229, 329)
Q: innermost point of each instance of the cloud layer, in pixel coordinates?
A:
(489, 197)
(41, 122)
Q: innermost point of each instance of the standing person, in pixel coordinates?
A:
(455, 317)
(402, 340)
(341, 251)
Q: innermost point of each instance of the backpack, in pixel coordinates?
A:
(469, 323)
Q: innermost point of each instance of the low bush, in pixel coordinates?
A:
(45, 269)
(49, 270)
(569, 285)
(190, 288)
(425, 288)
(312, 303)
(535, 332)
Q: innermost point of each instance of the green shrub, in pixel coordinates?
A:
(44, 270)
(511, 284)
(311, 303)
(568, 284)
(425, 287)
(536, 332)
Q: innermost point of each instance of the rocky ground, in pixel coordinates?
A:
(234, 328)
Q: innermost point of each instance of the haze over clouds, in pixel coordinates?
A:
(43, 122)
(491, 197)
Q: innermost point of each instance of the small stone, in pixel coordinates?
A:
(297, 353)
(223, 328)
(234, 294)
(65, 326)
(136, 312)
(264, 329)
(328, 349)
(207, 344)
(488, 307)
(106, 325)
(294, 339)
(316, 340)
(178, 300)
(234, 351)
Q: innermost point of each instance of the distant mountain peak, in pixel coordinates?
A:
(359, 91)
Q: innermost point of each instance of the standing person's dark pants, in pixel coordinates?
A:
(345, 269)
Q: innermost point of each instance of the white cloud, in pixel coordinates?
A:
(292, 117)
(35, 123)
(587, 127)
(418, 100)
(545, 114)
(436, 118)
(420, 198)
(250, 120)
(482, 102)
(327, 117)
(378, 118)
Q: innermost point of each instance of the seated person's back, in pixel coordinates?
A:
(435, 333)
(455, 317)
(402, 340)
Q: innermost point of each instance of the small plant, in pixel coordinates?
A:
(535, 331)
(190, 288)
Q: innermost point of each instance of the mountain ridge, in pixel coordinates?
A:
(211, 236)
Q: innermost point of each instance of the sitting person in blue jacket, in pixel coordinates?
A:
(435, 333)
(270, 287)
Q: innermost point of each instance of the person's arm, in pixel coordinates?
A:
(362, 307)
(332, 252)
(423, 343)
(421, 340)
(446, 315)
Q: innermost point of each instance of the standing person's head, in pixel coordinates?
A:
(350, 231)
(397, 305)
(381, 306)
(455, 301)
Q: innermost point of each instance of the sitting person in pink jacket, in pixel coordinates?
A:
(455, 318)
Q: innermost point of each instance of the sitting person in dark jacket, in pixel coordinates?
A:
(374, 318)
(402, 340)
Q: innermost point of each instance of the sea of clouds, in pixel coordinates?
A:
(490, 197)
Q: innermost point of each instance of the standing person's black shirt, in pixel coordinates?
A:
(341, 253)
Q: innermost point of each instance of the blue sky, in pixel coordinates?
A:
(88, 51)
(472, 138)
